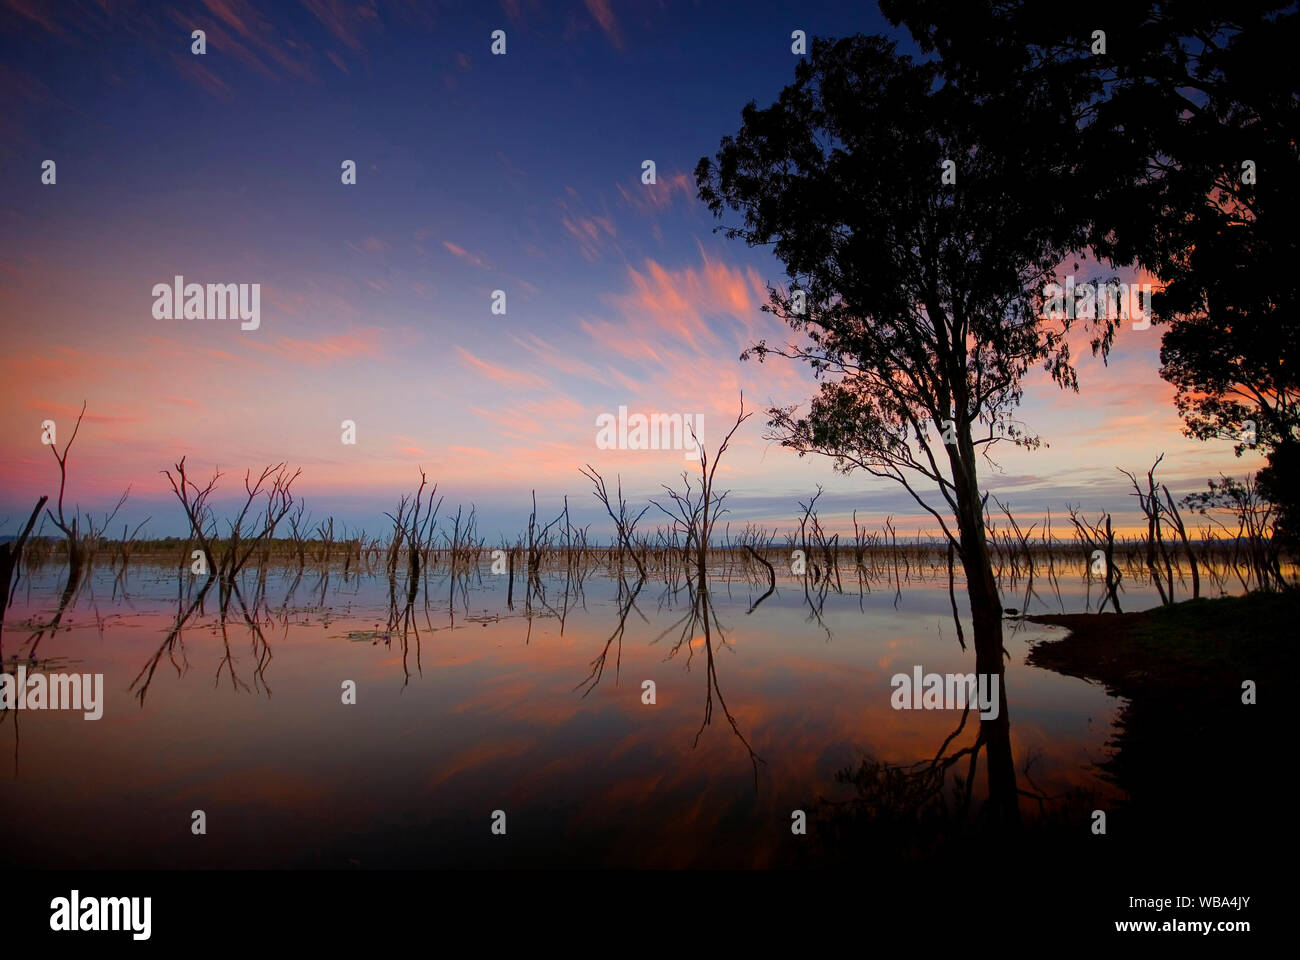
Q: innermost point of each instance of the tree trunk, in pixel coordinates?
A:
(986, 619)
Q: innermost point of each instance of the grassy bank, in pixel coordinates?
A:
(1199, 644)
(1200, 767)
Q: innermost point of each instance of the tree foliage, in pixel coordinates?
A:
(923, 298)
(1188, 137)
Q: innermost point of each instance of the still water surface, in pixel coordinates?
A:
(486, 711)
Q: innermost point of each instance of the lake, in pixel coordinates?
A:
(490, 706)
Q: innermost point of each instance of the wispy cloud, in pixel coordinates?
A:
(599, 9)
(332, 349)
(653, 198)
(370, 245)
(343, 20)
(502, 375)
(461, 253)
(567, 362)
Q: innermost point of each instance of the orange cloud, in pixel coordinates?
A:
(678, 302)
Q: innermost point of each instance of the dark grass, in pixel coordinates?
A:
(1205, 773)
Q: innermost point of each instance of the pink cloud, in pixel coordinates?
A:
(599, 9)
(341, 19)
(69, 413)
(650, 198)
(343, 346)
(677, 302)
(565, 362)
(590, 233)
(501, 375)
(462, 254)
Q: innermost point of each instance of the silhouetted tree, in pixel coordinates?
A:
(1188, 140)
(920, 298)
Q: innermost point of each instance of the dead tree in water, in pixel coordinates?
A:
(695, 510)
(1152, 508)
(1187, 545)
(81, 545)
(68, 528)
(298, 533)
(194, 501)
(1253, 543)
(241, 544)
(771, 578)
(11, 555)
(279, 503)
(809, 524)
(1020, 552)
(624, 523)
(1095, 541)
(395, 548)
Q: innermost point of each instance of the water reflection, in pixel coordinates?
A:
(523, 692)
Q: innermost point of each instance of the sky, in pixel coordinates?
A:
(475, 173)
